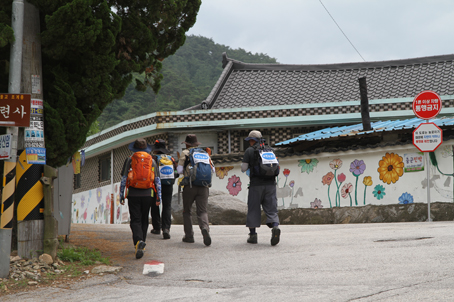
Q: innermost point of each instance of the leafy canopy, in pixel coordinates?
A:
(90, 50)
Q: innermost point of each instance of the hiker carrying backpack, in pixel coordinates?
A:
(140, 183)
(265, 164)
(198, 168)
(162, 220)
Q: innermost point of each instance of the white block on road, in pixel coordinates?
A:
(153, 268)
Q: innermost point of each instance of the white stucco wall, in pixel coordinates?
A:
(302, 184)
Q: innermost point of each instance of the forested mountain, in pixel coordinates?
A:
(189, 76)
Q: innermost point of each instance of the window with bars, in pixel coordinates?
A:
(104, 168)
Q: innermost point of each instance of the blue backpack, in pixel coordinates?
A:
(199, 168)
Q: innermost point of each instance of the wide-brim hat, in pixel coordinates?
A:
(191, 140)
(255, 135)
(160, 146)
(139, 145)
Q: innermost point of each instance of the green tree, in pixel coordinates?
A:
(90, 51)
(189, 76)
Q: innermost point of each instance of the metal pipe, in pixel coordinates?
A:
(229, 143)
(14, 82)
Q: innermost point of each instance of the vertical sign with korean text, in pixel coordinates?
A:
(5, 146)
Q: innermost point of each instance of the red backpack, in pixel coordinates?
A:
(141, 175)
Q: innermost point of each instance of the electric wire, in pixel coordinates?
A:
(341, 30)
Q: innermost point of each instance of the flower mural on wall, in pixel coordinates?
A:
(379, 192)
(286, 191)
(98, 194)
(335, 165)
(405, 198)
(234, 185)
(82, 201)
(340, 179)
(367, 181)
(316, 204)
(346, 191)
(390, 167)
(307, 165)
(357, 167)
(327, 180)
(221, 172)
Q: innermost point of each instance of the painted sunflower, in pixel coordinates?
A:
(391, 167)
(222, 171)
(307, 165)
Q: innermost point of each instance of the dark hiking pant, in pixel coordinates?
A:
(200, 196)
(139, 207)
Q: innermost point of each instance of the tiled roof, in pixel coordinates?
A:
(354, 130)
(249, 85)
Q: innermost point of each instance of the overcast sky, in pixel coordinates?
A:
(302, 32)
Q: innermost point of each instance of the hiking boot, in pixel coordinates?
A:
(206, 237)
(252, 238)
(156, 232)
(140, 249)
(188, 239)
(165, 234)
(275, 234)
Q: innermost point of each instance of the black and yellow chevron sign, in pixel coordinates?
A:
(29, 190)
(7, 206)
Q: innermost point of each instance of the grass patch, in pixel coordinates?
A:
(82, 255)
(76, 261)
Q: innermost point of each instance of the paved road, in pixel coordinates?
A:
(355, 262)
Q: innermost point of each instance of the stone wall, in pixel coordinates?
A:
(439, 211)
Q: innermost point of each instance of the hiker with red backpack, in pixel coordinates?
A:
(167, 171)
(263, 167)
(141, 185)
(196, 166)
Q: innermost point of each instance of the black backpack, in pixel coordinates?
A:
(265, 163)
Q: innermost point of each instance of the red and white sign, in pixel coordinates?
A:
(427, 105)
(427, 137)
(153, 268)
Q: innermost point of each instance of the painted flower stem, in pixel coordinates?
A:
(329, 198)
(337, 185)
(356, 190)
(365, 195)
(350, 195)
(285, 183)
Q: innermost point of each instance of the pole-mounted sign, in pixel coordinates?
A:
(427, 105)
(427, 137)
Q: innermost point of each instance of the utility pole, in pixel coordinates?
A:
(14, 85)
(29, 189)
